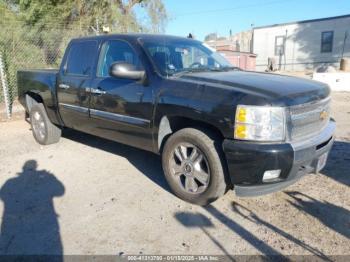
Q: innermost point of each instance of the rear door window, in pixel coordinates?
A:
(81, 56)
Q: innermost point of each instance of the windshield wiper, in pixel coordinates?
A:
(229, 68)
(205, 69)
(189, 71)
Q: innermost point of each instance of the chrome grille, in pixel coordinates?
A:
(309, 119)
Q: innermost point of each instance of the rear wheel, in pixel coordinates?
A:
(44, 131)
(193, 166)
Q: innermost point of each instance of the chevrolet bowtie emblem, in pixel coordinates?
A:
(323, 115)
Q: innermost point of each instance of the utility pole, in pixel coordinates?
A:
(285, 49)
(344, 42)
(251, 43)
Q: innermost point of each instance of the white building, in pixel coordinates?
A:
(303, 45)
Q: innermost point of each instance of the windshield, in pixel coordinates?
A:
(172, 57)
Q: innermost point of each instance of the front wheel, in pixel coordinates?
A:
(193, 166)
(44, 131)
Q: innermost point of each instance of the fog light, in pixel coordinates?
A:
(271, 174)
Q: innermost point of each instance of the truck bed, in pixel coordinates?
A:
(35, 81)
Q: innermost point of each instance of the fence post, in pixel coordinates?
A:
(4, 87)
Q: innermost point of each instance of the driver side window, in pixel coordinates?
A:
(116, 51)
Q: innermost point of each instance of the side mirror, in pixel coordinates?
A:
(126, 71)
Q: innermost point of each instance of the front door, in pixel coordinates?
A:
(73, 79)
(120, 109)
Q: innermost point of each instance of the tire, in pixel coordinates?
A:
(211, 166)
(44, 132)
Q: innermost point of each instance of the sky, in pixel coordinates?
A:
(202, 17)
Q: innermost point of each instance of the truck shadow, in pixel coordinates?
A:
(338, 164)
(147, 163)
(29, 221)
(332, 216)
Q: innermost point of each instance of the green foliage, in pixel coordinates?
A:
(34, 33)
(117, 14)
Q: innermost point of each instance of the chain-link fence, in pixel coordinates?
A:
(25, 47)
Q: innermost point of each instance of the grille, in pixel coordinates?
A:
(306, 120)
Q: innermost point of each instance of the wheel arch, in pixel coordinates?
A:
(170, 124)
(32, 98)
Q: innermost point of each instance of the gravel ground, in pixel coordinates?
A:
(86, 195)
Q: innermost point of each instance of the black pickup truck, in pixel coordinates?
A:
(216, 127)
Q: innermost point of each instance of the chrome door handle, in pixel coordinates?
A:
(95, 91)
(63, 86)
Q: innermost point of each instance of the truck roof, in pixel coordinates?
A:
(133, 36)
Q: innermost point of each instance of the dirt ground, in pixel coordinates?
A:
(86, 195)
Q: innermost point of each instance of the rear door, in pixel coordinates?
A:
(73, 81)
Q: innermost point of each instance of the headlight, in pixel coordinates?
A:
(260, 123)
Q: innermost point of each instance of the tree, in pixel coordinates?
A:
(34, 33)
(118, 14)
(48, 20)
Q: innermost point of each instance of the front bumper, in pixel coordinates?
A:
(248, 161)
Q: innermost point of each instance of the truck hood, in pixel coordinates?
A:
(275, 89)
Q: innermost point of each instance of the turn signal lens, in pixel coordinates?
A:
(240, 131)
(241, 115)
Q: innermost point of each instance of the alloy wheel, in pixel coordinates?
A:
(189, 165)
(38, 125)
